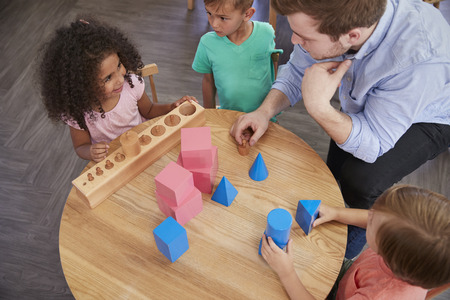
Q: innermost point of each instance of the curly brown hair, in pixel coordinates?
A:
(69, 67)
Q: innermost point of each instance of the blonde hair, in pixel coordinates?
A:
(237, 4)
(415, 242)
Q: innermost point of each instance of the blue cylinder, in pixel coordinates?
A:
(279, 222)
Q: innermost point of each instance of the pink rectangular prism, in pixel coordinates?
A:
(196, 147)
(204, 178)
(191, 206)
(173, 182)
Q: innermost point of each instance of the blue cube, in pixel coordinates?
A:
(171, 239)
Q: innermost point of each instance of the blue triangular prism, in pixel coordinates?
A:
(225, 192)
(307, 211)
(258, 171)
(310, 205)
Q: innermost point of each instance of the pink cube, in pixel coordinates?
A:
(196, 147)
(191, 206)
(204, 178)
(173, 182)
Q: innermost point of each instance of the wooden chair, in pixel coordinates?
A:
(191, 4)
(150, 70)
(275, 57)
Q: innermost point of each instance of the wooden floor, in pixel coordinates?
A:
(37, 162)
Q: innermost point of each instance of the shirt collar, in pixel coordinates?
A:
(377, 36)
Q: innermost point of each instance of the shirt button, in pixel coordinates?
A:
(349, 79)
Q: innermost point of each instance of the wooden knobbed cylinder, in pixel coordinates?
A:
(130, 143)
(244, 149)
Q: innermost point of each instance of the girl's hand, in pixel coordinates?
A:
(326, 214)
(281, 262)
(99, 151)
(183, 99)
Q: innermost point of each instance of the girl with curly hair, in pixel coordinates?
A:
(86, 81)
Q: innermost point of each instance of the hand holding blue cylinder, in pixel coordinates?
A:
(279, 222)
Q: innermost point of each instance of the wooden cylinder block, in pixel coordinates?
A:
(109, 164)
(158, 130)
(119, 157)
(145, 140)
(244, 149)
(130, 143)
(172, 120)
(98, 171)
(187, 109)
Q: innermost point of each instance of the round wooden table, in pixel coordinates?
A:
(109, 252)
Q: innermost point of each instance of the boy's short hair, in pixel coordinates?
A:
(415, 242)
(335, 17)
(237, 4)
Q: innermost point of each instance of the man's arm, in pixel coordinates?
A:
(258, 120)
(285, 92)
(318, 87)
(275, 102)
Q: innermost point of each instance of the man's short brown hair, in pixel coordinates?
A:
(415, 242)
(335, 17)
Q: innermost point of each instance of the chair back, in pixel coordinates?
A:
(275, 56)
(150, 70)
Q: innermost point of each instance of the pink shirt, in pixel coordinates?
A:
(370, 278)
(124, 116)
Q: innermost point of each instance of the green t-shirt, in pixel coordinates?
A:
(243, 74)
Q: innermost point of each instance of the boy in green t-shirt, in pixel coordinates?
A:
(236, 58)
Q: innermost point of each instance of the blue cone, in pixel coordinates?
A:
(258, 171)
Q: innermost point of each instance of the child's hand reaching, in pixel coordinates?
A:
(326, 214)
(350, 216)
(183, 99)
(281, 262)
(99, 151)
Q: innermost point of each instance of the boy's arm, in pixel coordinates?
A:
(349, 216)
(209, 91)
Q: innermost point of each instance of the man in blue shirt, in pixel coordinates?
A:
(391, 62)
